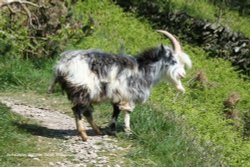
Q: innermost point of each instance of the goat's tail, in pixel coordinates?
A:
(52, 85)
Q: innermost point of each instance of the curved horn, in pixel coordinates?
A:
(174, 42)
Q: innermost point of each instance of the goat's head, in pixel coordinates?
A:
(175, 62)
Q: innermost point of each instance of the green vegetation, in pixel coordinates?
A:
(19, 73)
(213, 11)
(17, 146)
(218, 12)
(203, 107)
(162, 138)
(159, 137)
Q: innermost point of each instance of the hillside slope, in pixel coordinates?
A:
(214, 128)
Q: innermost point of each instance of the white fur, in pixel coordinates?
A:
(177, 72)
(185, 59)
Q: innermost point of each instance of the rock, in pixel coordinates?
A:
(36, 159)
(93, 161)
(58, 163)
(30, 155)
(237, 49)
(51, 164)
(103, 161)
(213, 26)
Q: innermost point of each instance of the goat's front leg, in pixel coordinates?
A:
(79, 124)
(127, 107)
(127, 128)
(116, 112)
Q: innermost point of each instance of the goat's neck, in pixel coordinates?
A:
(152, 73)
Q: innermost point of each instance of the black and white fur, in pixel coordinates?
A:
(92, 76)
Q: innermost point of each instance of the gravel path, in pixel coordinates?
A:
(62, 127)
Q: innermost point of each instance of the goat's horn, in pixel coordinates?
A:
(174, 42)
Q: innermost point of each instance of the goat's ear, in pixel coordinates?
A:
(162, 47)
(162, 50)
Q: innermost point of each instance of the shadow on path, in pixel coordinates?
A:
(40, 130)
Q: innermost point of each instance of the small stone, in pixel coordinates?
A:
(105, 136)
(93, 161)
(51, 164)
(66, 162)
(94, 155)
(103, 162)
(85, 160)
(83, 165)
(36, 159)
(58, 163)
(31, 156)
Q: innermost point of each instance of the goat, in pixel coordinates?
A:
(92, 76)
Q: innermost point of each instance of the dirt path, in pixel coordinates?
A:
(62, 128)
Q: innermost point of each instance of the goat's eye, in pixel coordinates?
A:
(170, 61)
(170, 58)
(173, 62)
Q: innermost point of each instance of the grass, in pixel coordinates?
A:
(162, 138)
(24, 73)
(17, 145)
(230, 18)
(201, 107)
(201, 9)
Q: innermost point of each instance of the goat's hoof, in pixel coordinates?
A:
(112, 133)
(50, 91)
(84, 137)
(128, 131)
(99, 132)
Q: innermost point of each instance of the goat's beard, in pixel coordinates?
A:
(174, 75)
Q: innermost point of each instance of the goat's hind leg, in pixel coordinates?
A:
(78, 111)
(88, 113)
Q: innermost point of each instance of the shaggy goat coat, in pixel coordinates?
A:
(92, 76)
